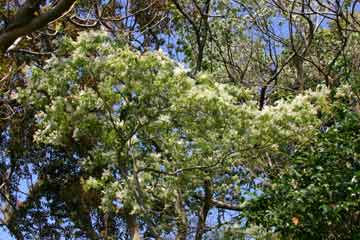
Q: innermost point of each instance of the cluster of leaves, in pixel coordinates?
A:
(317, 197)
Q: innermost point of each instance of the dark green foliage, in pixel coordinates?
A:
(318, 197)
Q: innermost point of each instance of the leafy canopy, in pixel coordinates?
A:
(145, 133)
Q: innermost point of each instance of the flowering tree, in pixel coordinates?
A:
(154, 149)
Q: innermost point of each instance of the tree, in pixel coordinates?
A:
(151, 145)
(178, 119)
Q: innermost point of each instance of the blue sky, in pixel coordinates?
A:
(4, 235)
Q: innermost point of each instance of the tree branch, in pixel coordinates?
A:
(228, 206)
(10, 35)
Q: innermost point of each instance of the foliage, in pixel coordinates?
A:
(317, 197)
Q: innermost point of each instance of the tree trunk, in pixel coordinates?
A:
(181, 217)
(133, 226)
(204, 210)
(299, 66)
